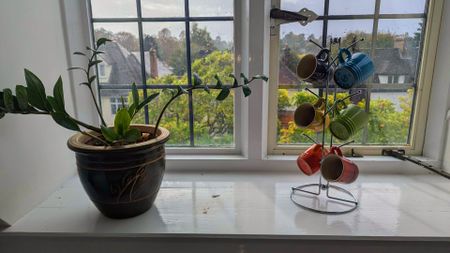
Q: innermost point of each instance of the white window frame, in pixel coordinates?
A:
(252, 52)
(423, 95)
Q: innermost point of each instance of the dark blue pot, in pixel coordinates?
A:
(121, 181)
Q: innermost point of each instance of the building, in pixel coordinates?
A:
(121, 67)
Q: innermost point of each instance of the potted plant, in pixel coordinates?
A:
(121, 166)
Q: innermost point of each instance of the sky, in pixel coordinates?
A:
(175, 8)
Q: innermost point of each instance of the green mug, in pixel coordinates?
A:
(348, 122)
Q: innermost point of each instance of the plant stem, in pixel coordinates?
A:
(88, 76)
(163, 110)
(95, 137)
(93, 128)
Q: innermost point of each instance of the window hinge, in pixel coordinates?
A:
(278, 17)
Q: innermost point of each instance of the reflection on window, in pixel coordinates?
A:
(395, 48)
(156, 53)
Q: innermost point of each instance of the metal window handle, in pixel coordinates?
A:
(304, 16)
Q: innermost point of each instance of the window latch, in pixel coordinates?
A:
(401, 155)
(304, 16)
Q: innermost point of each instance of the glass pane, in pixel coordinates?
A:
(111, 102)
(397, 50)
(162, 8)
(213, 120)
(208, 8)
(175, 119)
(114, 9)
(402, 6)
(165, 52)
(390, 114)
(349, 30)
(212, 53)
(314, 5)
(121, 61)
(288, 101)
(351, 7)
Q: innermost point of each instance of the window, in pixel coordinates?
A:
(116, 103)
(161, 43)
(393, 33)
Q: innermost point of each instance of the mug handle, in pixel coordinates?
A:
(323, 55)
(336, 150)
(344, 51)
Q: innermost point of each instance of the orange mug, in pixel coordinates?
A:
(336, 168)
(309, 161)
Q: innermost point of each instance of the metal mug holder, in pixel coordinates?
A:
(338, 199)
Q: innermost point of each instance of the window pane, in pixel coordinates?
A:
(162, 8)
(175, 119)
(351, 30)
(314, 5)
(165, 52)
(390, 115)
(114, 9)
(351, 7)
(121, 61)
(208, 8)
(213, 120)
(212, 53)
(111, 101)
(402, 6)
(397, 50)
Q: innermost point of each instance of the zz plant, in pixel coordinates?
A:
(32, 99)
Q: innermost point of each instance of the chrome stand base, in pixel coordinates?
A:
(324, 198)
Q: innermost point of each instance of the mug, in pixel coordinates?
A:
(348, 122)
(355, 69)
(309, 161)
(311, 116)
(336, 168)
(314, 69)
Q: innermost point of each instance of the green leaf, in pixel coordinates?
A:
(65, 121)
(135, 94)
(235, 81)
(206, 88)
(54, 104)
(79, 53)
(92, 78)
(146, 101)
(22, 97)
(109, 134)
(36, 91)
(102, 41)
(2, 114)
(92, 63)
(8, 99)
(2, 104)
(245, 78)
(122, 121)
(263, 77)
(223, 94)
(132, 135)
(197, 80)
(182, 90)
(247, 91)
(132, 110)
(219, 83)
(58, 94)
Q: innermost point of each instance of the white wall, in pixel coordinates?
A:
(435, 139)
(34, 159)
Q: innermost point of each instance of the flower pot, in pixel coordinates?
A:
(122, 181)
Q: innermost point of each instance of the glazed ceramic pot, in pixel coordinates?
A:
(122, 181)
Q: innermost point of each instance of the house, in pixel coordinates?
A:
(121, 67)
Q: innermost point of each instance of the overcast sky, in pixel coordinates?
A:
(175, 8)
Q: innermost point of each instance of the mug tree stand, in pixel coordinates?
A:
(324, 197)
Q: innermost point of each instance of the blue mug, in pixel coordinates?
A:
(353, 70)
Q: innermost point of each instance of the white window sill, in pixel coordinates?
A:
(411, 206)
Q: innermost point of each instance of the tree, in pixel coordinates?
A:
(127, 40)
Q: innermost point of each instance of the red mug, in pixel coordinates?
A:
(336, 168)
(309, 161)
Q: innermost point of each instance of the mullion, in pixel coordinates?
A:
(189, 72)
(142, 54)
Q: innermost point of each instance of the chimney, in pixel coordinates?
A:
(153, 63)
(399, 42)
